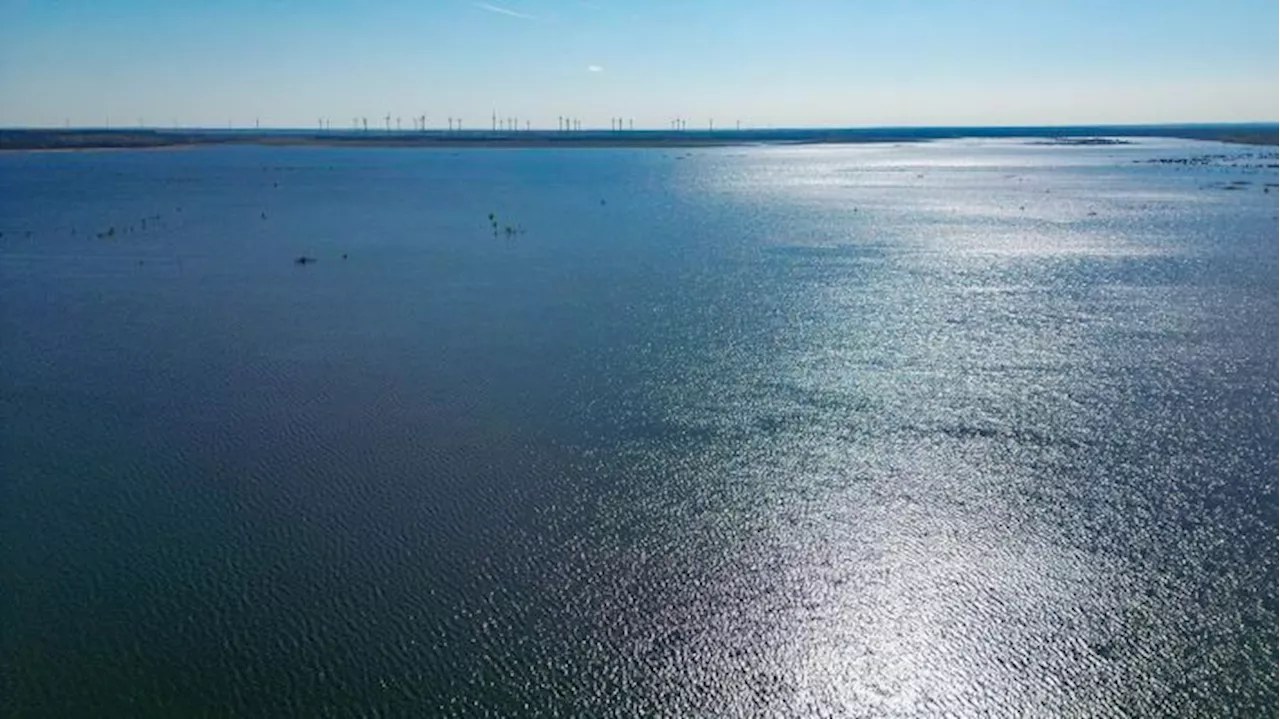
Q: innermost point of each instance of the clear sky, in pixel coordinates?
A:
(782, 63)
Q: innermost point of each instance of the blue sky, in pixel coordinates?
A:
(765, 62)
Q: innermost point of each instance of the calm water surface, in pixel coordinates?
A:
(963, 428)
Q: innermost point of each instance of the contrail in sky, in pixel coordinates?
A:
(501, 10)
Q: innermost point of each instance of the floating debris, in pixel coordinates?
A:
(304, 260)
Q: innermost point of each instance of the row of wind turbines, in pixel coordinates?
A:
(564, 123)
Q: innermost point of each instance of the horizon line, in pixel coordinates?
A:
(650, 129)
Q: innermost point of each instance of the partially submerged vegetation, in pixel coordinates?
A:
(1082, 141)
(509, 230)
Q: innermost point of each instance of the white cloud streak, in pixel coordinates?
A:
(594, 68)
(502, 10)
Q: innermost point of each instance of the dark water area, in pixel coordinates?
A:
(974, 427)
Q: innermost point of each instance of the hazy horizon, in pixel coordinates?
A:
(126, 126)
(944, 63)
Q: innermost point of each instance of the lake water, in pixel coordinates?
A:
(966, 428)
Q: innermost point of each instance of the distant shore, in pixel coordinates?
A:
(143, 138)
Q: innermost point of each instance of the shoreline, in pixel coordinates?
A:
(70, 140)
